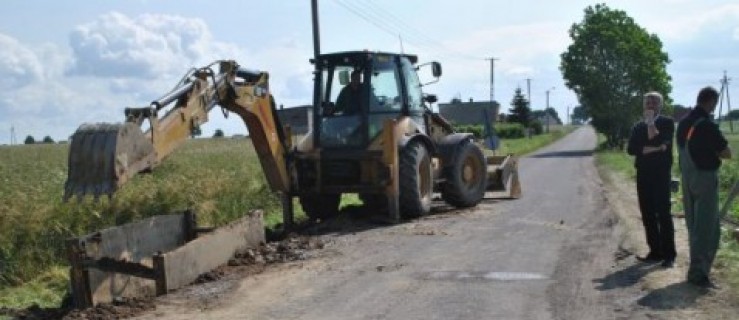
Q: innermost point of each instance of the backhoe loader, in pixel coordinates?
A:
(385, 144)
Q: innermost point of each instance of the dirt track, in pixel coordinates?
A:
(564, 251)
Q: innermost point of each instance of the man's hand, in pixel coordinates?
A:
(329, 109)
(650, 149)
(649, 117)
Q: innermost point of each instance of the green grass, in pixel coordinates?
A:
(46, 291)
(220, 178)
(524, 146)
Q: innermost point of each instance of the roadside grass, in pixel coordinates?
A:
(524, 146)
(727, 261)
(46, 291)
(219, 178)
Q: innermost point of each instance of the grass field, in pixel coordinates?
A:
(219, 178)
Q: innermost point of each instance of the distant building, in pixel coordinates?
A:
(547, 119)
(298, 118)
(471, 112)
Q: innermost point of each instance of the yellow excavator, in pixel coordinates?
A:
(384, 144)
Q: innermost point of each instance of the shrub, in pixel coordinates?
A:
(537, 127)
(511, 130)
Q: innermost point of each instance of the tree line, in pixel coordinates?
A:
(31, 140)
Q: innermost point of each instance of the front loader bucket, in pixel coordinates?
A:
(503, 175)
(103, 156)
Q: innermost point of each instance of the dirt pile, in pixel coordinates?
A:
(252, 261)
(119, 309)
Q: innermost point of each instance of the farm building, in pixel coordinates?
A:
(463, 113)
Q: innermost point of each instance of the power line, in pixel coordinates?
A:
(402, 25)
(387, 22)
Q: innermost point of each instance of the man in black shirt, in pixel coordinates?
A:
(349, 100)
(701, 147)
(651, 145)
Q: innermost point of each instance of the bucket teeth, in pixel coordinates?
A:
(103, 156)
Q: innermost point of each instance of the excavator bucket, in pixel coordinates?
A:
(503, 176)
(103, 156)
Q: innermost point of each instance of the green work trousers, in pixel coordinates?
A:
(700, 201)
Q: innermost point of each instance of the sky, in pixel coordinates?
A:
(64, 63)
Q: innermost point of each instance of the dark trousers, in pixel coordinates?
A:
(653, 188)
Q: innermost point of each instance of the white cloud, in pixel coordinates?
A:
(146, 46)
(693, 24)
(19, 66)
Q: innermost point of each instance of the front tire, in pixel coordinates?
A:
(416, 180)
(465, 178)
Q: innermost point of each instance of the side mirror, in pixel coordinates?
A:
(344, 77)
(430, 98)
(436, 69)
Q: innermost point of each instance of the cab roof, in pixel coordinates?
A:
(341, 57)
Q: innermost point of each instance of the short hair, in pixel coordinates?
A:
(654, 94)
(706, 95)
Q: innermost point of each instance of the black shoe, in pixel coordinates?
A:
(704, 284)
(668, 263)
(651, 257)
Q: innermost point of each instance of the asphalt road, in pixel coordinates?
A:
(544, 256)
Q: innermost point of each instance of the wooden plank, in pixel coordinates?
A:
(78, 276)
(183, 265)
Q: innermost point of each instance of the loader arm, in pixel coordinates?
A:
(103, 156)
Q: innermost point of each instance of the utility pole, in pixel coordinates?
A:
(567, 119)
(546, 111)
(492, 78)
(401, 44)
(528, 91)
(12, 135)
(725, 91)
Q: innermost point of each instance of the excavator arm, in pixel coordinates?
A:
(103, 156)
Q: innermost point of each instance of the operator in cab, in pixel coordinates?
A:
(350, 97)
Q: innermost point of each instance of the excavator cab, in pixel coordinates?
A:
(359, 91)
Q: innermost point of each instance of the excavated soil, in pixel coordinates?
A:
(249, 262)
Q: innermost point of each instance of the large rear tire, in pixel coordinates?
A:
(320, 206)
(465, 179)
(416, 180)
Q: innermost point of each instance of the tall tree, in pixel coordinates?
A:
(611, 63)
(520, 110)
(579, 115)
(47, 139)
(29, 140)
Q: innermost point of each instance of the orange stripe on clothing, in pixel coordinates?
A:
(690, 133)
